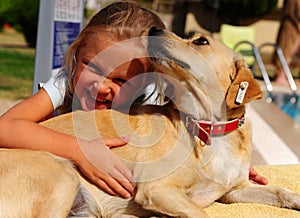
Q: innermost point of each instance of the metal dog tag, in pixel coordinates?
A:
(241, 93)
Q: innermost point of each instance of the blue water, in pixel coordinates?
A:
(289, 103)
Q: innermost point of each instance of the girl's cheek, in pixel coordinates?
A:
(76, 76)
(116, 92)
(82, 76)
(75, 81)
(125, 97)
(121, 96)
(81, 82)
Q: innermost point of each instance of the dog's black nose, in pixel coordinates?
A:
(155, 31)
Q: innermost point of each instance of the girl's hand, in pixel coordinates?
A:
(255, 178)
(103, 167)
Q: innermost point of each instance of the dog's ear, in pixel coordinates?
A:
(244, 88)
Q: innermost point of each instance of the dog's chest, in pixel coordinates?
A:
(220, 172)
(226, 169)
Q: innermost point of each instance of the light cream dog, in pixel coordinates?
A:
(176, 173)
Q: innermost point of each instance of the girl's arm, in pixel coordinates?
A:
(19, 128)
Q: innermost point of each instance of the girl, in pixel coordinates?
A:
(19, 126)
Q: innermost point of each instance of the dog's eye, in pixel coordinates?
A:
(201, 41)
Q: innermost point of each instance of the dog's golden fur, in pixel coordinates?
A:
(176, 176)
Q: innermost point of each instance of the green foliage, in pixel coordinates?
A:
(237, 9)
(22, 14)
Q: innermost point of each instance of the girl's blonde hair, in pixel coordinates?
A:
(121, 19)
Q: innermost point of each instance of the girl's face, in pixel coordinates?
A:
(104, 66)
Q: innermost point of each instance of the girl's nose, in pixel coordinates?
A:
(103, 87)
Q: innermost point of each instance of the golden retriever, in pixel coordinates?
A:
(184, 155)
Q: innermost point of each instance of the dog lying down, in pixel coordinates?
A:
(200, 152)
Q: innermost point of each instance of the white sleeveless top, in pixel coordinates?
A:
(56, 88)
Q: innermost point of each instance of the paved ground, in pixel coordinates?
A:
(5, 104)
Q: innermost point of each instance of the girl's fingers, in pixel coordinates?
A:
(122, 170)
(252, 172)
(123, 181)
(113, 187)
(102, 184)
(116, 142)
(254, 177)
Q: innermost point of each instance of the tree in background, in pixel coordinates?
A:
(23, 16)
(234, 10)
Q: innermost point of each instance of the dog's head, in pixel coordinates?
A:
(206, 75)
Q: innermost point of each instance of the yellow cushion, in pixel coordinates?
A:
(284, 175)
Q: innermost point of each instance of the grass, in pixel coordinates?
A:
(16, 72)
(16, 65)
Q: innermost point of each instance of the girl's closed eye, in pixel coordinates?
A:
(95, 69)
(119, 81)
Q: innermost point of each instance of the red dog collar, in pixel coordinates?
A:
(206, 129)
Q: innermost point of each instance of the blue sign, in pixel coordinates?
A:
(60, 22)
(64, 35)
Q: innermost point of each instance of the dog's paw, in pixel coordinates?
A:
(290, 199)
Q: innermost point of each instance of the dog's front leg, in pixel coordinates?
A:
(168, 200)
(271, 195)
